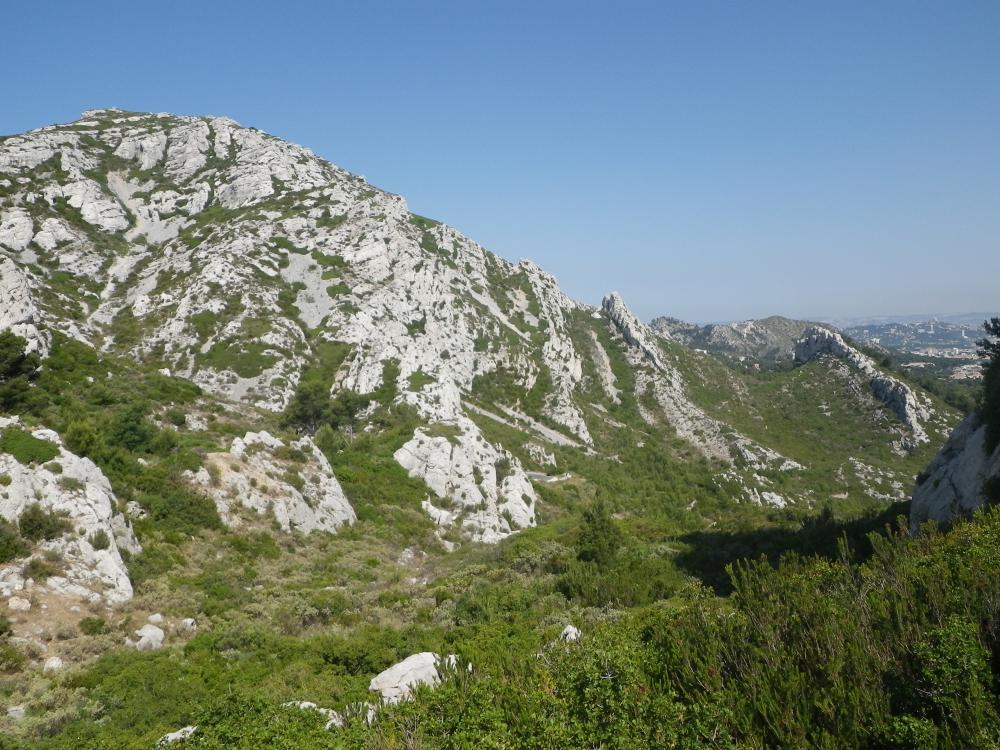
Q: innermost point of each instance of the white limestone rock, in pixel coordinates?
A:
(150, 638)
(181, 734)
(18, 604)
(83, 494)
(397, 682)
(16, 229)
(294, 483)
(570, 633)
(52, 664)
(484, 487)
(18, 312)
(952, 485)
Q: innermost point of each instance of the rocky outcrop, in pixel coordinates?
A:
(18, 312)
(769, 339)
(898, 397)
(89, 552)
(294, 483)
(397, 682)
(482, 487)
(952, 486)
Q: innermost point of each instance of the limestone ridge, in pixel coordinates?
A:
(711, 437)
(896, 395)
(952, 486)
(773, 338)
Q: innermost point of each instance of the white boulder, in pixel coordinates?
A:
(397, 682)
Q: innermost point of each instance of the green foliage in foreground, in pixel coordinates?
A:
(900, 651)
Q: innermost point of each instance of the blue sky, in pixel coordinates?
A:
(708, 160)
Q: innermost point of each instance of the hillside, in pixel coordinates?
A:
(259, 406)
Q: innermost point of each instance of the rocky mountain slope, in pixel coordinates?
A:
(273, 397)
(231, 258)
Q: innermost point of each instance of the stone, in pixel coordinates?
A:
(18, 604)
(188, 625)
(150, 638)
(155, 618)
(570, 633)
(952, 485)
(253, 474)
(90, 506)
(181, 734)
(397, 682)
(15, 712)
(52, 664)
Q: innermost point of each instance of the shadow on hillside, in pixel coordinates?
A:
(709, 552)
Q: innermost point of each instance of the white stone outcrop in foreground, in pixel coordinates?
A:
(294, 483)
(397, 682)
(482, 486)
(76, 488)
(897, 396)
(952, 485)
(181, 734)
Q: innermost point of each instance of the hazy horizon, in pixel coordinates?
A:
(708, 162)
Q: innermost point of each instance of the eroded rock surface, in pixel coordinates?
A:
(953, 484)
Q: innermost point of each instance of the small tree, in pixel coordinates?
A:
(18, 367)
(309, 407)
(600, 536)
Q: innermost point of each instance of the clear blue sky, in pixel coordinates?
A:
(709, 160)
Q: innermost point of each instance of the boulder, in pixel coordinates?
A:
(181, 734)
(397, 682)
(53, 664)
(570, 633)
(150, 638)
(18, 604)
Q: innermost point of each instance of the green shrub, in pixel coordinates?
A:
(39, 569)
(26, 448)
(11, 543)
(4, 626)
(99, 540)
(93, 626)
(11, 660)
(36, 524)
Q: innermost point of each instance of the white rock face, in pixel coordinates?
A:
(18, 312)
(485, 487)
(83, 494)
(397, 682)
(16, 229)
(952, 485)
(294, 483)
(897, 396)
(181, 734)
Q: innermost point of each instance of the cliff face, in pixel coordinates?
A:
(954, 484)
